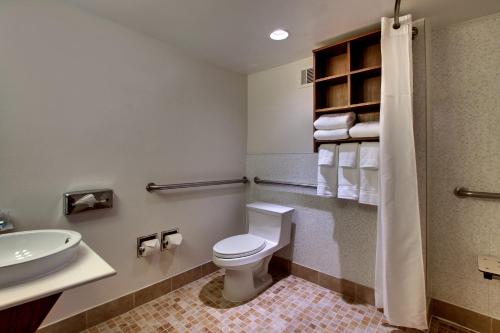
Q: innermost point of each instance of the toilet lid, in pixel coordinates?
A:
(239, 246)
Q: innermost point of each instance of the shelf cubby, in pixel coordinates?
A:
(332, 62)
(365, 52)
(365, 86)
(333, 93)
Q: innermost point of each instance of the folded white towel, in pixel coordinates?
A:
(327, 174)
(368, 188)
(335, 121)
(348, 155)
(337, 134)
(368, 155)
(348, 183)
(365, 130)
(326, 154)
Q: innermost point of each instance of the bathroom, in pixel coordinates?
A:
(139, 137)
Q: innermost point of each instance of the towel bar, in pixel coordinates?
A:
(153, 187)
(257, 180)
(464, 192)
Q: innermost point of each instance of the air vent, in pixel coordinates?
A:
(306, 77)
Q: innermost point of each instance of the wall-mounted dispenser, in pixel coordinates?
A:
(82, 201)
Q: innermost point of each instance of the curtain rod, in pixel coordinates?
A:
(397, 25)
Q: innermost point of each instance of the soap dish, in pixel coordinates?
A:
(490, 266)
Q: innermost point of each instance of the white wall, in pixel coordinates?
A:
(465, 152)
(88, 103)
(278, 109)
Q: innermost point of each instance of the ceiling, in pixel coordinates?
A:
(233, 34)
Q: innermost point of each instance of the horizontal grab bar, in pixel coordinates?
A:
(463, 192)
(153, 187)
(257, 180)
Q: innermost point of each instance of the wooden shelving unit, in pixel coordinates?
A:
(347, 77)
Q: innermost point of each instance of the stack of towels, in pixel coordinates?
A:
(340, 126)
(349, 171)
(334, 126)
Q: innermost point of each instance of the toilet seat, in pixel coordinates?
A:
(239, 246)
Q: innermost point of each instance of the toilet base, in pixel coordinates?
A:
(247, 282)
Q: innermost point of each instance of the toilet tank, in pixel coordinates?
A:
(271, 222)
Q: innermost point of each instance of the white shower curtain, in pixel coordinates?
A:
(399, 277)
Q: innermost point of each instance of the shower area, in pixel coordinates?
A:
(332, 237)
(456, 143)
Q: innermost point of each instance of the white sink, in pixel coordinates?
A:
(29, 254)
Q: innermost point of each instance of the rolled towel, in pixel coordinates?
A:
(348, 182)
(337, 134)
(368, 155)
(368, 188)
(335, 121)
(348, 155)
(365, 130)
(326, 154)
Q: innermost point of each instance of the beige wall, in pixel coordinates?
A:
(465, 152)
(333, 236)
(87, 103)
(279, 111)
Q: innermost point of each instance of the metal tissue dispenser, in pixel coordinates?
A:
(82, 201)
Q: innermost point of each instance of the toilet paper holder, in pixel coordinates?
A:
(142, 239)
(163, 237)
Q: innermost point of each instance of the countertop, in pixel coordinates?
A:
(87, 267)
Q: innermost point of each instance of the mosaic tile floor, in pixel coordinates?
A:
(290, 305)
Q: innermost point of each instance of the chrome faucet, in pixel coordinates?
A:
(5, 226)
(5, 223)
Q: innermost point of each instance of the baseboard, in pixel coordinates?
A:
(113, 308)
(464, 317)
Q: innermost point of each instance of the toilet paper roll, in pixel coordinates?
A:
(150, 247)
(172, 241)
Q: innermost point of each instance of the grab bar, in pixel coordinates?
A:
(153, 187)
(463, 192)
(257, 180)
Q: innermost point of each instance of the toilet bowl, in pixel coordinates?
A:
(246, 257)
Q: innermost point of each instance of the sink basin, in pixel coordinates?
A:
(29, 254)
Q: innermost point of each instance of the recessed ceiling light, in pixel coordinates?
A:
(279, 34)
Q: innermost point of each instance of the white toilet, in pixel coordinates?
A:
(246, 257)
